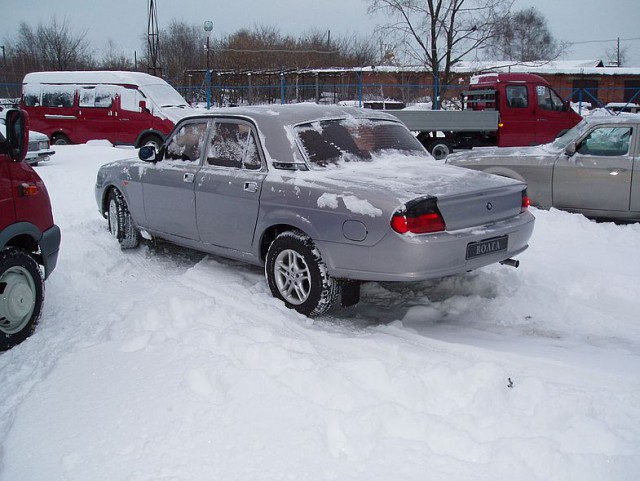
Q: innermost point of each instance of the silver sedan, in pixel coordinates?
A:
(322, 197)
(593, 169)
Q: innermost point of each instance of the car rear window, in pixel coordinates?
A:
(333, 141)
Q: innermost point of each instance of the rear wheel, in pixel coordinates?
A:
(439, 149)
(298, 276)
(60, 139)
(21, 296)
(121, 224)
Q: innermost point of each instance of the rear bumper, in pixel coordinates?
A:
(429, 256)
(49, 248)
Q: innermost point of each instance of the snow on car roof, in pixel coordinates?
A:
(274, 122)
(92, 77)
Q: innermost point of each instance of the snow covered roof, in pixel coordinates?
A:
(93, 77)
(592, 67)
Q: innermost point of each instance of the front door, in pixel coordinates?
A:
(516, 117)
(169, 185)
(552, 115)
(598, 176)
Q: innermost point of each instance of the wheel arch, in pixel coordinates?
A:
(148, 133)
(23, 235)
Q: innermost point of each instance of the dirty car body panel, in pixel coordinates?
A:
(350, 180)
(593, 169)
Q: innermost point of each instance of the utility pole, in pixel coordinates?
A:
(618, 53)
(152, 40)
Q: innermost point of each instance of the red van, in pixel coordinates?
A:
(29, 239)
(125, 108)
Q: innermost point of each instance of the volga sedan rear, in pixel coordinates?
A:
(323, 197)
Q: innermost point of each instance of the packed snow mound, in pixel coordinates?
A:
(165, 364)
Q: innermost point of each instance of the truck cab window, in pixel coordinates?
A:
(517, 96)
(548, 99)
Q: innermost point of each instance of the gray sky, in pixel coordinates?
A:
(125, 21)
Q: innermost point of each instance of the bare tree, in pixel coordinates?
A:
(115, 59)
(524, 36)
(181, 49)
(439, 33)
(53, 46)
(616, 56)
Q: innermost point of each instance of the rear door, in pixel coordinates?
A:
(228, 186)
(598, 176)
(169, 185)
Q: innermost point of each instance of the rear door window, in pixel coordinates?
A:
(233, 145)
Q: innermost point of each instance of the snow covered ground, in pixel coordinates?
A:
(167, 365)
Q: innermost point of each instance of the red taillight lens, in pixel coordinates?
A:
(420, 216)
(526, 202)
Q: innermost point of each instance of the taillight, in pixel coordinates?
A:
(419, 216)
(526, 202)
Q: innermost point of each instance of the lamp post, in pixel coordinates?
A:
(208, 27)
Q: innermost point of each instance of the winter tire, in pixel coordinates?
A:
(439, 149)
(60, 139)
(21, 296)
(297, 275)
(121, 224)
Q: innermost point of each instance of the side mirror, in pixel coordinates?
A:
(570, 150)
(17, 134)
(147, 153)
(143, 107)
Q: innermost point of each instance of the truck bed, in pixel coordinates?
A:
(448, 120)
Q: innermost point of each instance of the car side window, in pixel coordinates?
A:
(233, 145)
(606, 141)
(100, 96)
(187, 142)
(517, 96)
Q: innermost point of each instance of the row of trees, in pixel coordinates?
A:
(436, 34)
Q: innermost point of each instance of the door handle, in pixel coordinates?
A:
(188, 177)
(251, 187)
(616, 171)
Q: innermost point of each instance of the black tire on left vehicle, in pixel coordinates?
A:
(21, 296)
(121, 224)
(297, 275)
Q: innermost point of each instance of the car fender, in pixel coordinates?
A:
(504, 172)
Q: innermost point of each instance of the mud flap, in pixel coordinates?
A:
(350, 294)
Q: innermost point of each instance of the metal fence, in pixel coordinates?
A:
(352, 90)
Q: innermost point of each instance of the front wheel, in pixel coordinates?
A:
(121, 224)
(297, 275)
(21, 296)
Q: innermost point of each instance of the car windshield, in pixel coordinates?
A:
(165, 95)
(353, 140)
(570, 136)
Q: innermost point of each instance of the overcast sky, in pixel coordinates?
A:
(125, 21)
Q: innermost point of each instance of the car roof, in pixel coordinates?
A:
(274, 122)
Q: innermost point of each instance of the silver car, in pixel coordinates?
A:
(593, 169)
(323, 197)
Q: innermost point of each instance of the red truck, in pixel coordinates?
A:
(499, 109)
(29, 239)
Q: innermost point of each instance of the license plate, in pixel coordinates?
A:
(486, 247)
